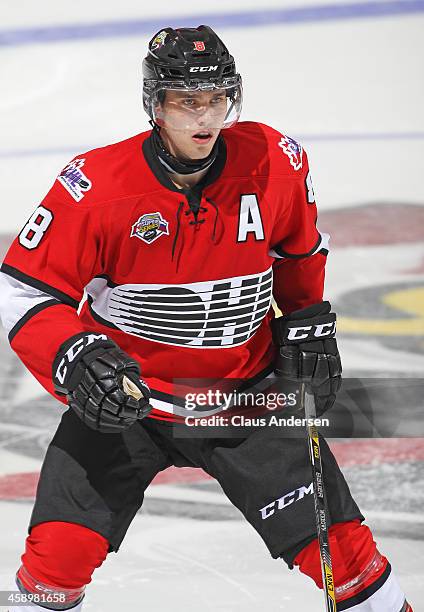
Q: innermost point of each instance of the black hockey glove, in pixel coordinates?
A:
(89, 369)
(308, 351)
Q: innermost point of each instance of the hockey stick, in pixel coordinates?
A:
(321, 512)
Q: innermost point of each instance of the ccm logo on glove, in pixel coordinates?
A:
(309, 332)
(73, 352)
(101, 382)
(308, 353)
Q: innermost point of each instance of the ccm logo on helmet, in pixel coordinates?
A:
(320, 330)
(286, 500)
(203, 68)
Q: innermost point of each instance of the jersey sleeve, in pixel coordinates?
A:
(42, 280)
(298, 247)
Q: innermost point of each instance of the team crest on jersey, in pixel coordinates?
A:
(206, 314)
(159, 40)
(150, 227)
(74, 180)
(293, 150)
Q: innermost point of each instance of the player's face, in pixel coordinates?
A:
(191, 121)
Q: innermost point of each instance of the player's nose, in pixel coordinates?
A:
(204, 118)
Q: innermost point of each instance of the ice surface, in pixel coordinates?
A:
(186, 564)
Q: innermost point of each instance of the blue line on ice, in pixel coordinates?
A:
(236, 19)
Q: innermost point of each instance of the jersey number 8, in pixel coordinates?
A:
(310, 189)
(37, 225)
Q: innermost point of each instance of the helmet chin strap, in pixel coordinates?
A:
(177, 166)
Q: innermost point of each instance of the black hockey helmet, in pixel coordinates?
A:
(193, 59)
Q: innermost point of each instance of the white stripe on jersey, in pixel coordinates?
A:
(324, 243)
(16, 299)
(205, 411)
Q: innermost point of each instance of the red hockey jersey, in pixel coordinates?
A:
(182, 281)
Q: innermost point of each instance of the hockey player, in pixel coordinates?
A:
(180, 236)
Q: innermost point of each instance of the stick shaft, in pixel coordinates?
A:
(321, 511)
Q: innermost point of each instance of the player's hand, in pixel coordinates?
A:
(308, 351)
(102, 383)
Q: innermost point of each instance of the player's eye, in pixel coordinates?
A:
(189, 102)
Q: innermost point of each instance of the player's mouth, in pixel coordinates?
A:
(202, 137)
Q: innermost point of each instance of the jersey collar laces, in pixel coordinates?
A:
(168, 164)
(194, 208)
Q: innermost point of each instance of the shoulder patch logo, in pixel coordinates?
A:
(150, 227)
(74, 180)
(293, 150)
